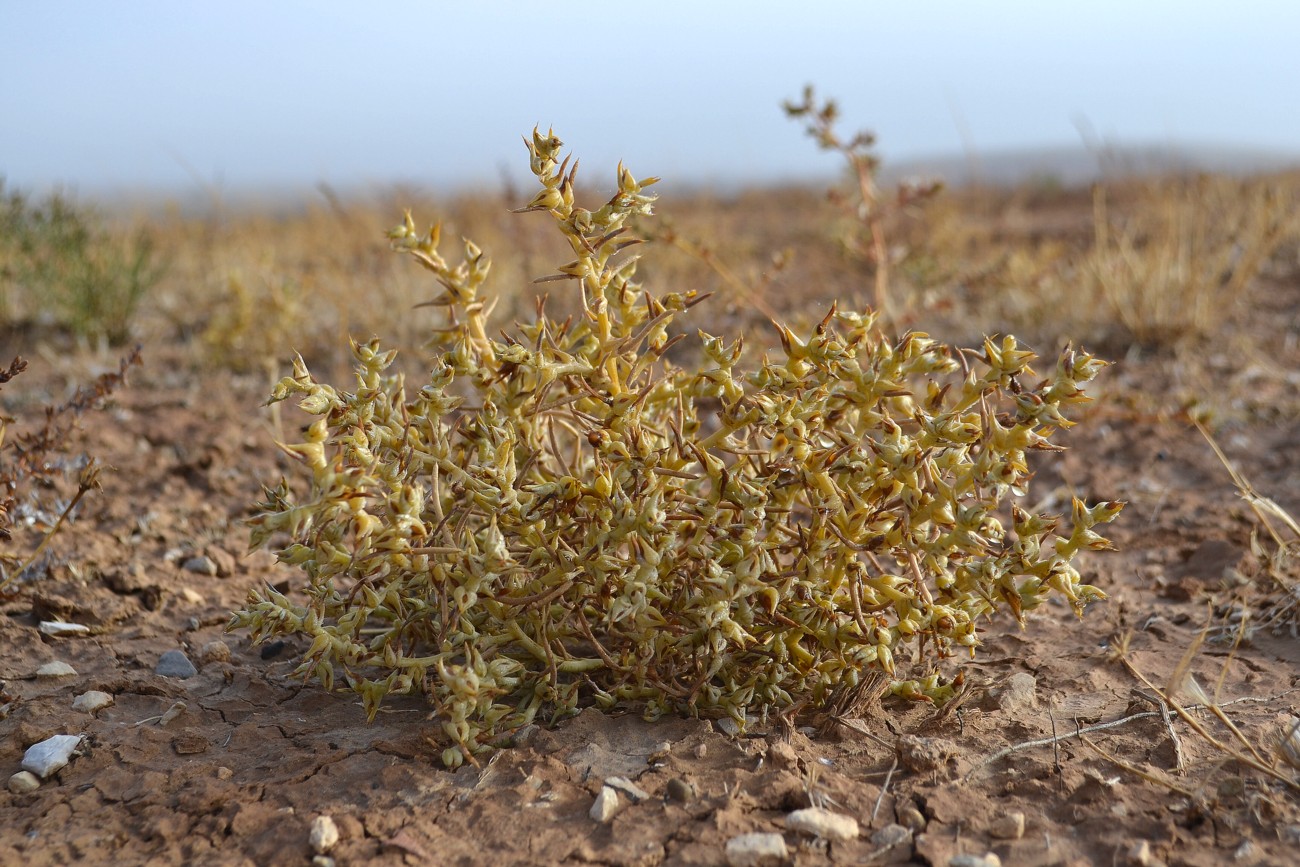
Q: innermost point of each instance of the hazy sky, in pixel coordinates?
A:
(101, 96)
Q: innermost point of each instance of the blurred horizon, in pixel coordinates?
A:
(152, 100)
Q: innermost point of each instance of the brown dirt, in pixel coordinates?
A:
(253, 756)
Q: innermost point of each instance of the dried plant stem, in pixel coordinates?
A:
(1056, 739)
(1134, 769)
(89, 480)
(1252, 759)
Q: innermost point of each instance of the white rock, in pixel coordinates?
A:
(1008, 827)
(92, 701)
(606, 805)
(629, 788)
(50, 754)
(192, 596)
(56, 629)
(1139, 853)
(23, 782)
(757, 850)
(989, 860)
(821, 822)
(324, 834)
(52, 670)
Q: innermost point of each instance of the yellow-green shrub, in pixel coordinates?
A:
(560, 516)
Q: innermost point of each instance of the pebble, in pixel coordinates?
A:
(23, 782)
(526, 735)
(924, 755)
(989, 860)
(679, 790)
(629, 788)
(175, 663)
(92, 701)
(1247, 851)
(1008, 827)
(322, 861)
(57, 629)
(782, 755)
(53, 670)
(50, 755)
(1139, 853)
(757, 850)
(224, 773)
(201, 565)
(824, 823)
(223, 560)
(701, 750)
(606, 805)
(890, 836)
(192, 596)
(1020, 692)
(727, 726)
(214, 651)
(324, 834)
(911, 818)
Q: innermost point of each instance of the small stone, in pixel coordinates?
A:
(322, 861)
(54, 670)
(1139, 854)
(201, 565)
(782, 755)
(727, 726)
(701, 750)
(1008, 827)
(190, 744)
(223, 560)
(989, 860)
(924, 755)
(911, 818)
(629, 788)
(679, 790)
(606, 805)
(526, 735)
(820, 822)
(192, 596)
(58, 629)
(757, 850)
(324, 834)
(224, 773)
(214, 651)
(92, 701)
(1247, 852)
(23, 782)
(1020, 692)
(50, 755)
(175, 663)
(890, 836)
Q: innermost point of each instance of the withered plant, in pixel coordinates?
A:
(32, 461)
(560, 516)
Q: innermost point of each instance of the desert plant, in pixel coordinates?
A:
(59, 260)
(560, 516)
(1177, 266)
(869, 208)
(33, 460)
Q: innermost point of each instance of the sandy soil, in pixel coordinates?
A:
(234, 764)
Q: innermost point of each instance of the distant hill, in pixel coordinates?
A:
(1077, 165)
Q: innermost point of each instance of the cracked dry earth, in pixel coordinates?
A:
(234, 764)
